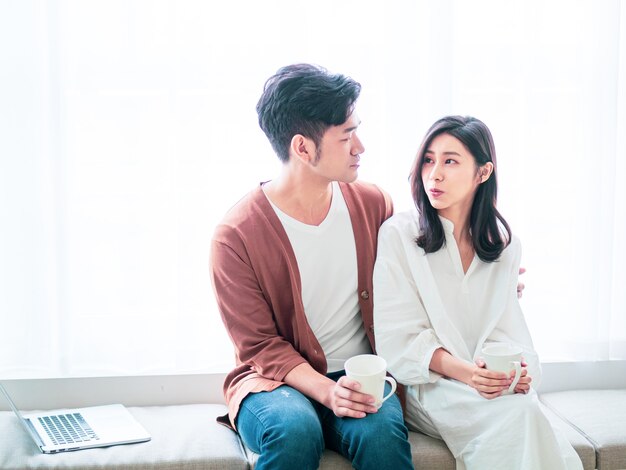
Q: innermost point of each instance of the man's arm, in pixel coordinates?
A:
(250, 323)
(342, 397)
(247, 316)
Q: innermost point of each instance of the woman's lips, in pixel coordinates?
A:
(435, 192)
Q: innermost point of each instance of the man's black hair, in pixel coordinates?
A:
(304, 99)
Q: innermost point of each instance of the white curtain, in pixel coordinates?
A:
(128, 128)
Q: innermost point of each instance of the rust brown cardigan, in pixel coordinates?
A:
(257, 286)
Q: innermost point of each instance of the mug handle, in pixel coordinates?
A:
(518, 373)
(393, 384)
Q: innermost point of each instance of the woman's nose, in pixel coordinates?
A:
(436, 173)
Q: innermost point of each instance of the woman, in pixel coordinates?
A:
(444, 285)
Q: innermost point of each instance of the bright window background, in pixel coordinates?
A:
(128, 128)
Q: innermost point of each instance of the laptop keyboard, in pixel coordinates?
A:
(68, 428)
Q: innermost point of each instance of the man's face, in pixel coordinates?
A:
(339, 152)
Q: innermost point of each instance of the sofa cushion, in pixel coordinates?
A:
(331, 460)
(583, 447)
(600, 416)
(188, 437)
(428, 454)
(433, 454)
(184, 437)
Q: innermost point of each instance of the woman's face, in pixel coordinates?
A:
(450, 176)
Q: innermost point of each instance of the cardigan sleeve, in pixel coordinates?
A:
(246, 313)
(404, 336)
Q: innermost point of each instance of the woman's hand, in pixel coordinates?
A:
(523, 386)
(489, 384)
(346, 400)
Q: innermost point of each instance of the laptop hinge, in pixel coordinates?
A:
(33, 432)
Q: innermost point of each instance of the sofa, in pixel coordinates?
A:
(186, 436)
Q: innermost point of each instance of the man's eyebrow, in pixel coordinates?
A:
(350, 129)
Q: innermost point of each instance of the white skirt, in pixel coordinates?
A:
(508, 432)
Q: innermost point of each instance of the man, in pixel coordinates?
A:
(292, 271)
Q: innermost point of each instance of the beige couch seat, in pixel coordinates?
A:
(184, 437)
(187, 437)
(599, 416)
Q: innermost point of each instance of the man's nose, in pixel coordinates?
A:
(357, 145)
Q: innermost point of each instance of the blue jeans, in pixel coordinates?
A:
(290, 431)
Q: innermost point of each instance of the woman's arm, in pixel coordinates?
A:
(511, 327)
(489, 384)
(404, 335)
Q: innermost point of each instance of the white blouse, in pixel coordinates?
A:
(425, 301)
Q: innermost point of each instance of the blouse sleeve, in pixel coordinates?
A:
(404, 336)
(512, 328)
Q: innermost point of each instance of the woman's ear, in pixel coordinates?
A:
(485, 171)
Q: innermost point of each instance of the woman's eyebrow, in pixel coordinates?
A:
(444, 153)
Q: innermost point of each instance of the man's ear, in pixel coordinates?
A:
(485, 171)
(302, 148)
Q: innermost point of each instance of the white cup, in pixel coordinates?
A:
(503, 357)
(371, 372)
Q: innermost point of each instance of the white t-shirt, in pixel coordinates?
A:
(326, 257)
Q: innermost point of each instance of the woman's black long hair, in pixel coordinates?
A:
(489, 231)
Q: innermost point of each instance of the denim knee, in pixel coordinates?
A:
(283, 428)
(378, 441)
(296, 434)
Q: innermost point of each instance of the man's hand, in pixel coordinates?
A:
(520, 285)
(342, 397)
(346, 400)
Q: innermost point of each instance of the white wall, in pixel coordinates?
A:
(207, 388)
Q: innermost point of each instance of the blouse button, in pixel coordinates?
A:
(365, 295)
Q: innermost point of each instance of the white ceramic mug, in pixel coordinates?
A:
(503, 357)
(371, 372)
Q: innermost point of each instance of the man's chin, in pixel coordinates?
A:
(350, 178)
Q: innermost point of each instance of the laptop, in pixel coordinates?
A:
(80, 428)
